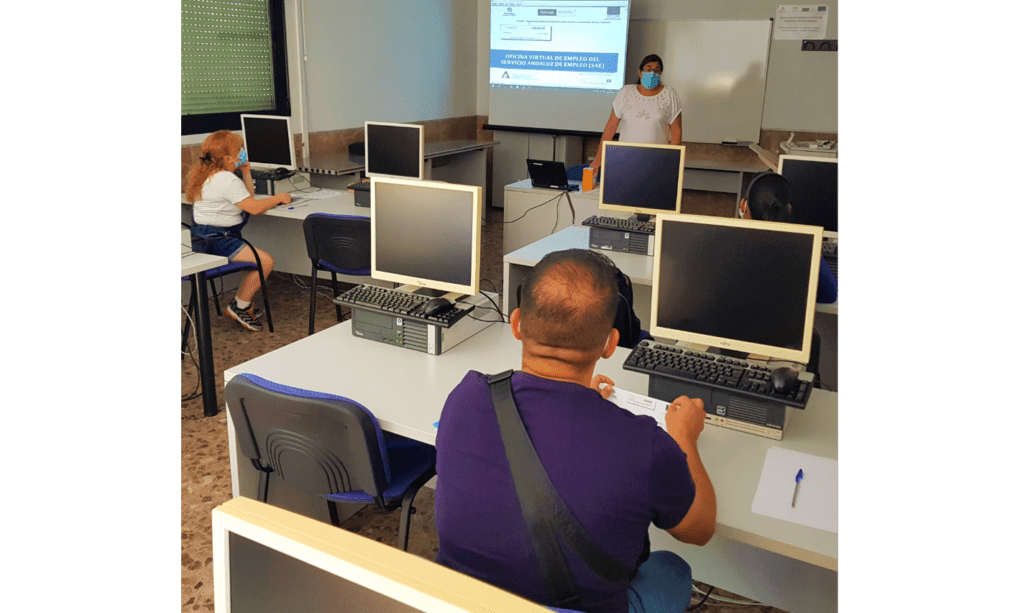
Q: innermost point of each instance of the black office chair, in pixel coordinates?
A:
(327, 446)
(221, 271)
(338, 244)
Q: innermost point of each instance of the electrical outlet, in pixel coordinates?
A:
(820, 45)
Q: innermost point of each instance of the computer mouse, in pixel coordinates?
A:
(784, 378)
(436, 306)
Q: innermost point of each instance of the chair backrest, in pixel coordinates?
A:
(342, 241)
(318, 443)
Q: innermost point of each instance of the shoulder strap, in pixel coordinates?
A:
(546, 516)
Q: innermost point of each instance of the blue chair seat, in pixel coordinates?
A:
(407, 462)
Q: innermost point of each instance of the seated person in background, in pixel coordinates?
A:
(617, 472)
(222, 204)
(767, 199)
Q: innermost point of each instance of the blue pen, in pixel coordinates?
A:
(799, 477)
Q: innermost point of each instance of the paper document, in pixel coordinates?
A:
(794, 22)
(816, 497)
(319, 195)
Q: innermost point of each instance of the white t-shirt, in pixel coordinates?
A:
(216, 206)
(646, 119)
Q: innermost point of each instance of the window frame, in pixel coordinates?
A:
(210, 122)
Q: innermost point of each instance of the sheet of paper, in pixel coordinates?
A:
(797, 22)
(817, 499)
(319, 195)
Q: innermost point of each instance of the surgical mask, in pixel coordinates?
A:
(243, 157)
(650, 80)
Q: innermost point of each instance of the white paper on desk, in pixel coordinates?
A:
(817, 501)
(319, 195)
(797, 22)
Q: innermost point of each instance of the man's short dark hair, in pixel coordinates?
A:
(569, 300)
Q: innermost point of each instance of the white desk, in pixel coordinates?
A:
(196, 265)
(782, 564)
(522, 198)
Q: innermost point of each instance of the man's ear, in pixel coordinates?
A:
(743, 208)
(514, 319)
(611, 347)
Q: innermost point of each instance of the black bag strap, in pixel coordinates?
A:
(546, 515)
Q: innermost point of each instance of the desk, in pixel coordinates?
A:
(196, 265)
(453, 161)
(749, 550)
(521, 198)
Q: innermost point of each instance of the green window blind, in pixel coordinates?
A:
(227, 59)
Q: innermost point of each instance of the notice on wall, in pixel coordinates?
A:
(797, 22)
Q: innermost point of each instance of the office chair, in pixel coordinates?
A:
(221, 271)
(338, 244)
(328, 446)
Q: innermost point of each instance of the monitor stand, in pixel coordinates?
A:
(642, 217)
(423, 291)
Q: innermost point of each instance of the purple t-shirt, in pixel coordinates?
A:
(616, 471)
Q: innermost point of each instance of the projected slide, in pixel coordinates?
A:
(560, 44)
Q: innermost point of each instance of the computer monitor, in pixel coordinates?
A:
(271, 560)
(641, 178)
(394, 150)
(742, 285)
(813, 190)
(426, 233)
(269, 142)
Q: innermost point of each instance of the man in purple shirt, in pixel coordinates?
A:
(616, 472)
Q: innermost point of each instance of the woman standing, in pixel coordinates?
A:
(650, 110)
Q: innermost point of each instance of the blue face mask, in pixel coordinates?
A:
(650, 80)
(243, 157)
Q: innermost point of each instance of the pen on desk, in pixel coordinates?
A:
(799, 477)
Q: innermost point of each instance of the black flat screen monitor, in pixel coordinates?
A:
(426, 233)
(743, 285)
(269, 142)
(394, 150)
(813, 189)
(641, 178)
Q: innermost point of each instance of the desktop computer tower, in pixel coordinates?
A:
(723, 408)
(419, 336)
(618, 240)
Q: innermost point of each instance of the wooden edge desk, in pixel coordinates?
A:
(406, 394)
(195, 265)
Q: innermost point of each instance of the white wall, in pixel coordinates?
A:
(389, 60)
(802, 88)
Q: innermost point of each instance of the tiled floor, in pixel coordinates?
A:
(206, 482)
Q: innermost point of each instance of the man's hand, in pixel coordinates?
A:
(606, 382)
(685, 419)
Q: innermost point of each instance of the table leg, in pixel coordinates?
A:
(206, 353)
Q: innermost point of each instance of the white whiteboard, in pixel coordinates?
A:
(717, 67)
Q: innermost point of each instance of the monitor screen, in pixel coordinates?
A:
(394, 150)
(641, 178)
(813, 189)
(742, 285)
(268, 141)
(426, 233)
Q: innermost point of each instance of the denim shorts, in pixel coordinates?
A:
(206, 241)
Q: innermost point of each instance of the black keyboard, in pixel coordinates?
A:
(400, 304)
(712, 370)
(624, 225)
(364, 186)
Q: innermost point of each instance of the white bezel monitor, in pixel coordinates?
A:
(802, 185)
(269, 559)
(641, 178)
(269, 142)
(426, 233)
(737, 284)
(394, 150)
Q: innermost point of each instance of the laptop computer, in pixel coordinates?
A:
(550, 175)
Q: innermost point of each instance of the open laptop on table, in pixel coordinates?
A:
(550, 175)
